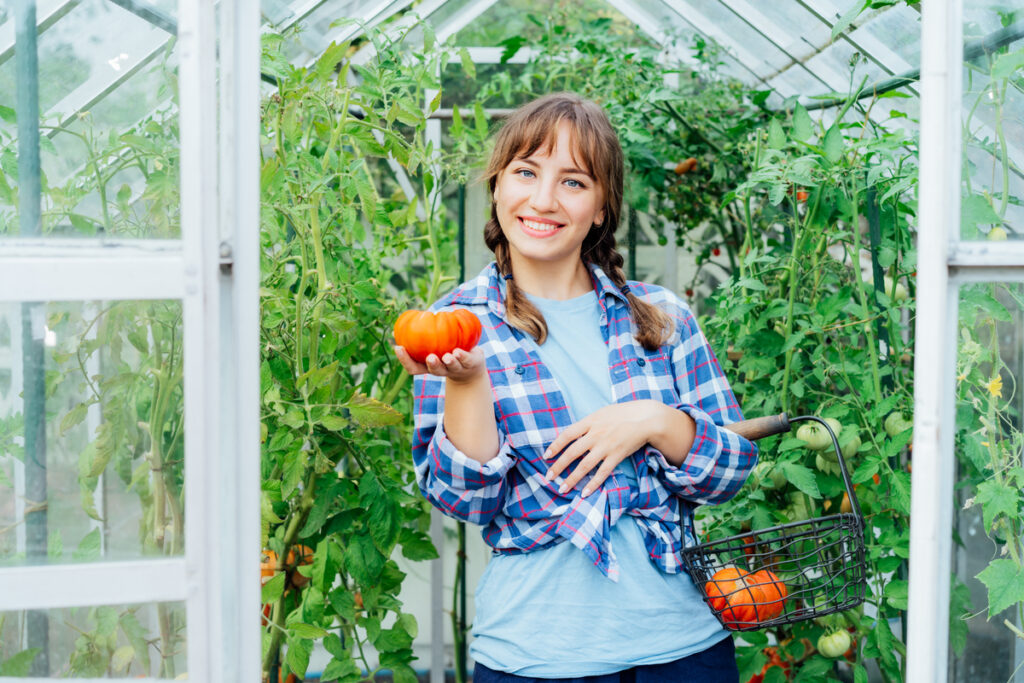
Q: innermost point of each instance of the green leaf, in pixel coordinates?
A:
(467, 63)
(340, 669)
(896, 593)
(976, 210)
(307, 630)
(849, 17)
(960, 609)
(137, 636)
(997, 498)
(860, 674)
(834, 145)
(1005, 583)
(73, 417)
(8, 115)
(362, 560)
(20, 664)
(299, 650)
(801, 477)
(814, 669)
(1006, 66)
(122, 658)
(416, 545)
(54, 545)
(273, 588)
(900, 482)
(88, 549)
(803, 126)
(776, 136)
(369, 412)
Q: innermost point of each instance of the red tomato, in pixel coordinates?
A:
(742, 598)
(802, 195)
(423, 333)
(716, 252)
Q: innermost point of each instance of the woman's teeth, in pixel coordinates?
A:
(542, 227)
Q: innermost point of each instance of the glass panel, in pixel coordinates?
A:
(111, 641)
(993, 130)
(108, 144)
(91, 432)
(512, 18)
(990, 485)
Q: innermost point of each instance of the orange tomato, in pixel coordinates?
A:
(268, 565)
(741, 598)
(686, 165)
(422, 333)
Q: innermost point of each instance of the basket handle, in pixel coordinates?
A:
(760, 427)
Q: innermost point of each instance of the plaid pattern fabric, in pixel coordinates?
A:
(521, 511)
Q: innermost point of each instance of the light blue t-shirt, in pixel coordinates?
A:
(551, 613)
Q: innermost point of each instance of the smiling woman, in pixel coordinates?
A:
(591, 409)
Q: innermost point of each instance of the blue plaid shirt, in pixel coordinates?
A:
(519, 509)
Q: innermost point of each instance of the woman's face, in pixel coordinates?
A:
(547, 203)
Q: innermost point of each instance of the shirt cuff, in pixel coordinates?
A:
(458, 470)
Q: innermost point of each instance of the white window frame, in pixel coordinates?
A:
(944, 263)
(214, 271)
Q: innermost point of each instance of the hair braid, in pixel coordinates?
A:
(519, 310)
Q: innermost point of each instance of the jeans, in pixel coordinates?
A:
(717, 664)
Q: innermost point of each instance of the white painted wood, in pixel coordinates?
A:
(931, 511)
(95, 583)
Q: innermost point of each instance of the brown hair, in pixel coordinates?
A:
(531, 127)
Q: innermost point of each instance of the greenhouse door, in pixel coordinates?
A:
(129, 372)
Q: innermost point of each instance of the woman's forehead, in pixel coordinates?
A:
(562, 139)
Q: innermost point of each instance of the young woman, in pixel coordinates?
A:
(581, 431)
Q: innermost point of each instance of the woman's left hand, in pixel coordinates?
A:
(606, 437)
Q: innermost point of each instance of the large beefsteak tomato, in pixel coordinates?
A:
(742, 598)
(422, 333)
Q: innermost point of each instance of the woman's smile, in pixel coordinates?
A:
(539, 227)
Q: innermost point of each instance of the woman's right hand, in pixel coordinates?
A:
(459, 366)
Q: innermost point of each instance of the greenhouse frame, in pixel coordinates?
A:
(212, 213)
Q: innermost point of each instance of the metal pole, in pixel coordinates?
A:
(931, 512)
(32, 315)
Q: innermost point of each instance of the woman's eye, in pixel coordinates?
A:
(525, 172)
(572, 182)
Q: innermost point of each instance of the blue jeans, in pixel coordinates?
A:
(717, 664)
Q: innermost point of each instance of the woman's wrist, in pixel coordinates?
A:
(673, 433)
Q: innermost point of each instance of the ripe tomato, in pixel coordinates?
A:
(685, 166)
(742, 598)
(304, 555)
(774, 660)
(773, 593)
(268, 565)
(834, 644)
(802, 195)
(422, 333)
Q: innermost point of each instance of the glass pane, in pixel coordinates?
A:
(91, 432)
(990, 484)
(111, 641)
(993, 130)
(108, 144)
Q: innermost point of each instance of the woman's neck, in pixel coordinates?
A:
(552, 281)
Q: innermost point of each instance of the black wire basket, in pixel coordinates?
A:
(786, 573)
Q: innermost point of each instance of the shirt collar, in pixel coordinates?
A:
(485, 288)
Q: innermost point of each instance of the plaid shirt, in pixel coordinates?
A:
(520, 510)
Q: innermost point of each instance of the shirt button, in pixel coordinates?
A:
(641, 362)
(520, 369)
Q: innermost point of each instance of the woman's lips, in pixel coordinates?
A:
(539, 229)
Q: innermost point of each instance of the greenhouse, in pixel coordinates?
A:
(299, 302)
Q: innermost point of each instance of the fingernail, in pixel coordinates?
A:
(586, 492)
(547, 454)
(563, 488)
(549, 475)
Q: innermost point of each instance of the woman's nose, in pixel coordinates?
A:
(543, 197)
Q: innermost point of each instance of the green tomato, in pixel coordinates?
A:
(851, 447)
(826, 464)
(997, 234)
(895, 424)
(896, 291)
(814, 435)
(767, 476)
(836, 426)
(834, 644)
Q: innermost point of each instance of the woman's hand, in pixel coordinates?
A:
(459, 366)
(608, 436)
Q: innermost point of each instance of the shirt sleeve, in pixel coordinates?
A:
(453, 482)
(719, 460)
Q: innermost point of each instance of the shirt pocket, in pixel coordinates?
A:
(529, 408)
(649, 376)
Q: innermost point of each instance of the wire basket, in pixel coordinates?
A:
(786, 573)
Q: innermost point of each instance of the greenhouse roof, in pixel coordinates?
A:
(759, 42)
